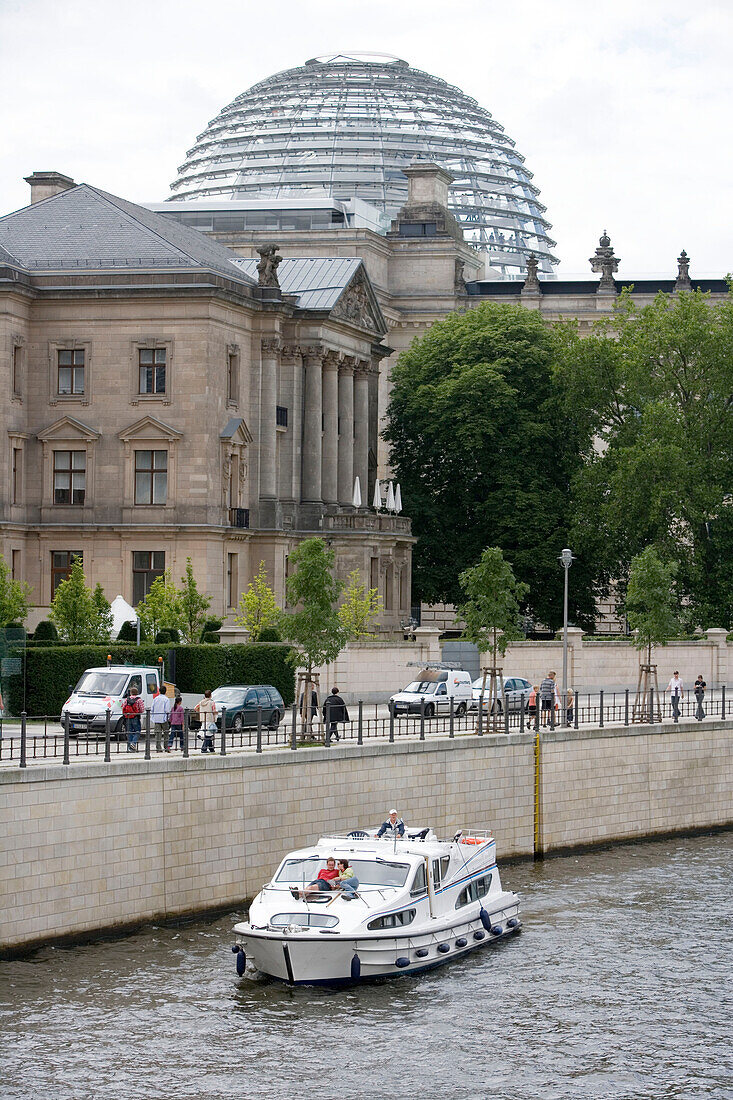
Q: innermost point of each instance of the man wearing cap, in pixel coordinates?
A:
(394, 826)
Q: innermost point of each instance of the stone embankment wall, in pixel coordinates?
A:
(97, 846)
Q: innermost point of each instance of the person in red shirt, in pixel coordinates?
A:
(321, 883)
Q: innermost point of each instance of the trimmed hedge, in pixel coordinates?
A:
(46, 630)
(49, 671)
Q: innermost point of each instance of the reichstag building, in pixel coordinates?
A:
(206, 377)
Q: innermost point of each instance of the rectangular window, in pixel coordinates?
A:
(389, 588)
(17, 369)
(146, 566)
(374, 573)
(151, 477)
(17, 476)
(61, 563)
(152, 369)
(71, 372)
(281, 416)
(16, 568)
(69, 477)
(233, 376)
(232, 584)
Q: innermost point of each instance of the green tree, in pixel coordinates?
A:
(314, 627)
(360, 607)
(161, 607)
(491, 604)
(100, 626)
(14, 597)
(651, 600)
(258, 610)
(484, 447)
(193, 606)
(655, 388)
(73, 609)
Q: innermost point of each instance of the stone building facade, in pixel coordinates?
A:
(162, 404)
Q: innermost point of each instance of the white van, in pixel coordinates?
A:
(104, 688)
(435, 687)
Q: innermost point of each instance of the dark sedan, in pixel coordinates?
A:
(242, 702)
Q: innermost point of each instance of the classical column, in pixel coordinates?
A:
(313, 423)
(361, 428)
(329, 462)
(291, 398)
(270, 357)
(346, 432)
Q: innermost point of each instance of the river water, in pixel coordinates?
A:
(618, 987)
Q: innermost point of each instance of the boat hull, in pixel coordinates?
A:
(302, 958)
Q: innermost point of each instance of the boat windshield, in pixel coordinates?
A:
(421, 687)
(305, 920)
(370, 872)
(101, 683)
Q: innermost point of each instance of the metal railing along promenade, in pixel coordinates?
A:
(50, 738)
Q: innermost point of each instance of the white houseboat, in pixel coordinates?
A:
(418, 902)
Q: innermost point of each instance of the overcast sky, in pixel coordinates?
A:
(622, 111)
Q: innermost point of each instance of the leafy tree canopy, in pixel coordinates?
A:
(360, 607)
(314, 627)
(161, 608)
(651, 600)
(484, 446)
(655, 387)
(14, 597)
(193, 605)
(491, 604)
(79, 614)
(258, 609)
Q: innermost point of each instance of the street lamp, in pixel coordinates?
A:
(566, 560)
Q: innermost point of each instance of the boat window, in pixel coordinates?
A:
(419, 883)
(305, 920)
(440, 869)
(392, 920)
(479, 888)
(300, 870)
(370, 872)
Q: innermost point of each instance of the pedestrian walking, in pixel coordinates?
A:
(676, 690)
(206, 709)
(569, 707)
(160, 710)
(699, 690)
(176, 723)
(334, 713)
(132, 708)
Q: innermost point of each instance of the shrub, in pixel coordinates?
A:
(45, 630)
(128, 632)
(50, 670)
(210, 637)
(269, 635)
(167, 636)
(212, 624)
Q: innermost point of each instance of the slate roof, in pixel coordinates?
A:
(319, 281)
(85, 228)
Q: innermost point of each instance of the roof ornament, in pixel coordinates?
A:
(267, 267)
(531, 282)
(605, 262)
(683, 272)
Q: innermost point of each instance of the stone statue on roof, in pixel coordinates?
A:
(267, 267)
(605, 262)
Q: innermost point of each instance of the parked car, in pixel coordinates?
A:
(241, 702)
(103, 689)
(436, 687)
(517, 691)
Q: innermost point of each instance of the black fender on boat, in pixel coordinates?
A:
(485, 919)
(238, 950)
(355, 967)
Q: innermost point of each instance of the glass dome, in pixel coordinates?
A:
(346, 125)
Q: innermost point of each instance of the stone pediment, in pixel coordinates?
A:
(149, 427)
(358, 305)
(236, 431)
(68, 428)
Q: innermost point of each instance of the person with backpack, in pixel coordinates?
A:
(206, 709)
(132, 708)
